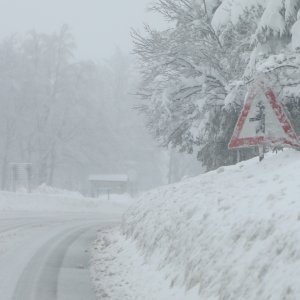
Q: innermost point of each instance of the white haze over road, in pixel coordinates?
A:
(46, 256)
(98, 26)
(45, 243)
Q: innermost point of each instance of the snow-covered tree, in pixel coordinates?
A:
(197, 72)
(275, 53)
(186, 72)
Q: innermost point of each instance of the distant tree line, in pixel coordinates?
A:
(68, 118)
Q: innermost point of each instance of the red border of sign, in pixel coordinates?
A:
(237, 142)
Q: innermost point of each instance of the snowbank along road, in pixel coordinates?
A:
(232, 234)
(46, 256)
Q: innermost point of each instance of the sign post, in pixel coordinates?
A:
(263, 122)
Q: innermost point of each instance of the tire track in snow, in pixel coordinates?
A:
(40, 278)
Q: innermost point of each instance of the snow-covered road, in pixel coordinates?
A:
(46, 256)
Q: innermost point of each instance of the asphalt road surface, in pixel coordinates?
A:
(46, 257)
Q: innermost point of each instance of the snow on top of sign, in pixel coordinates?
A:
(108, 177)
(271, 127)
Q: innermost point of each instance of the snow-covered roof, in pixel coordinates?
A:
(109, 177)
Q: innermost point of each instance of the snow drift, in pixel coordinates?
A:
(65, 201)
(233, 233)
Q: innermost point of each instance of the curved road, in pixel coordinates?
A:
(46, 257)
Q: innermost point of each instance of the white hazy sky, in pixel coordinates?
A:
(98, 25)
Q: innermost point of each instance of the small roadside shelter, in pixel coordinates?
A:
(108, 184)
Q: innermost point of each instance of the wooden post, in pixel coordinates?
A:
(238, 155)
(261, 151)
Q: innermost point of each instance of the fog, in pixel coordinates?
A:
(97, 25)
(67, 96)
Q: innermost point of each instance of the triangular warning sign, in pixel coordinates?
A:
(263, 121)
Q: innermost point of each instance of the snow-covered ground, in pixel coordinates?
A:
(45, 238)
(230, 234)
(52, 200)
